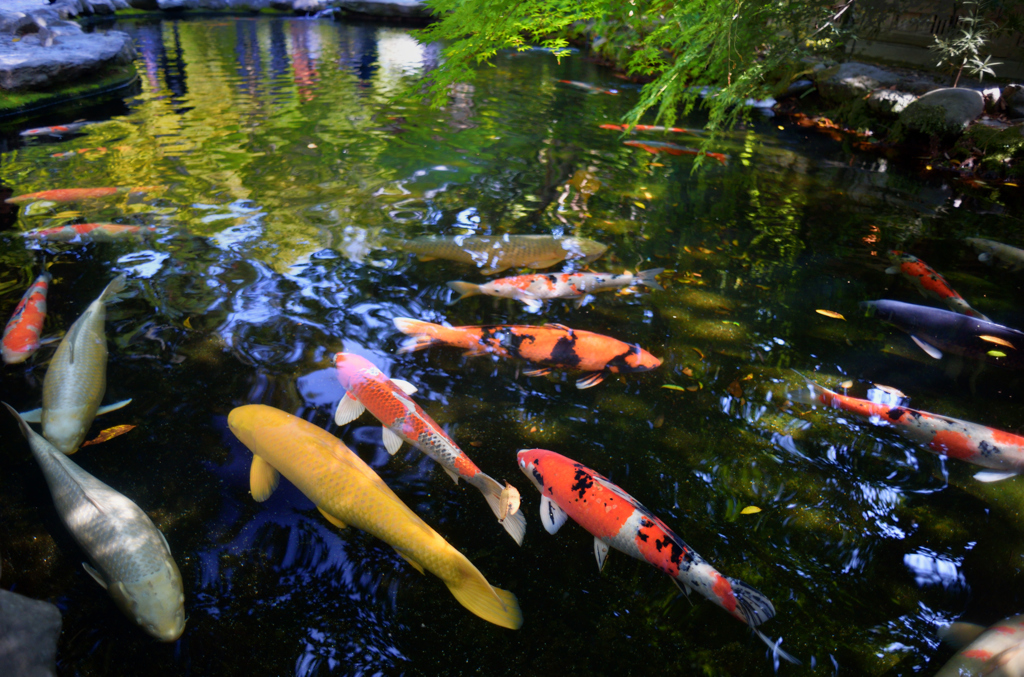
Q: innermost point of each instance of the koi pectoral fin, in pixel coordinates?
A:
(601, 552)
(95, 575)
(415, 565)
(332, 519)
(113, 407)
(551, 515)
(590, 380)
(931, 350)
(544, 371)
(349, 409)
(990, 476)
(451, 473)
(263, 479)
(32, 416)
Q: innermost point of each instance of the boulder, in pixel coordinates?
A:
(853, 80)
(943, 112)
(408, 9)
(889, 102)
(70, 54)
(1013, 97)
(309, 6)
(28, 636)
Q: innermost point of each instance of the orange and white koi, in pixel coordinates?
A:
(617, 520)
(87, 232)
(532, 289)
(552, 345)
(656, 147)
(77, 194)
(1001, 452)
(997, 651)
(929, 282)
(589, 88)
(21, 335)
(56, 130)
(651, 128)
(404, 421)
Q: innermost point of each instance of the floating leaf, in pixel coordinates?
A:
(846, 385)
(998, 341)
(109, 434)
(640, 205)
(748, 377)
(830, 313)
(658, 164)
(508, 502)
(687, 372)
(476, 443)
(693, 389)
(70, 214)
(669, 386)
(188, 323)
(658, 422)
(699, 353)
(996, 353)
(750, 510)
(735, 389)
(890, 390)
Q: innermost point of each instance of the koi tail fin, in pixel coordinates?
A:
(647, 278)
(116, 285)
(464, 289)
(515, 524)
(755, 608)
(419, 330)
(494, 605)
(777, 651)
(811, 395)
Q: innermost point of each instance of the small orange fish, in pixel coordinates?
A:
(656, 147)
(21, 335)
(552, 345)
(929, 282)
(651, 128)
(87, 232)
(76, 194)
(589, 88)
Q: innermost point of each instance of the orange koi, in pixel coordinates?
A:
(552, 345)
(87, 232)
(76, 194)
(589, 88)
(980, 445)
(929, 282)
(21, 335)
(651, 128)
(532, 289)
(617, 520)
(388, 400)
(656, 147)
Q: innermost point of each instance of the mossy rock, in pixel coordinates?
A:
(110, 82)
(1002, 143)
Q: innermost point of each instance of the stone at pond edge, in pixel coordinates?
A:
(28, 636)
(410, 9)
(28, 63)
(1013, 97)
(889, 102)
(853, 80)
(943, 112)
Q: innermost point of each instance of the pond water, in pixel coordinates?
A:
(290, 162)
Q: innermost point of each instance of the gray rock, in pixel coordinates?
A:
(889, 102)
(148, 5)
(1013, 96)
(28, 636)
(73, 54)
(309, 6)
(944, 112)
(852, 80)
(409, 9)
(797, 87)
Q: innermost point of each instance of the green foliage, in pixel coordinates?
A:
(964, 50)
(739, 48)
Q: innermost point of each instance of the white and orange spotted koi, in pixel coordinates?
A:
(617, 520)
(1000, 451)
(22, 333)
(404, 420)
(533, 289)
(995, 652)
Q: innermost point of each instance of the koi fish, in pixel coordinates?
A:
(77, 378)
(929, 282)
(21, 335)
(346, 491)
(132, 559)
(650, 128)
(991, 250)
(552, 345)
(1001, 452)
(994, 652)
(496, 253)
(935, 330)
(76, 194)
(532, 289)
(404, 421)
(56, 130)
(617, 520)
(589, 88)
(656, 147)
(87, 232)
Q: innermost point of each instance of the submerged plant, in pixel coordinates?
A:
(964, 50)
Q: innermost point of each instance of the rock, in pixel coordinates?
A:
(1013, 97)
(409, 9)
(797, 87)
(28, 636)
(943, 112)
(309, 6)
(147, 5)
(889, 102)
(852, 80)
(73, 54)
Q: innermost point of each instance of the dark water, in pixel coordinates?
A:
(286, 161)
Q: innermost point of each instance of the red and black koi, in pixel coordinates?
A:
(589, 88)
(552, 345)
(980, 445)
(656, 147)
(87, 232)
(388, 399)
(23, 330)
(929, 282)
(617, 520)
